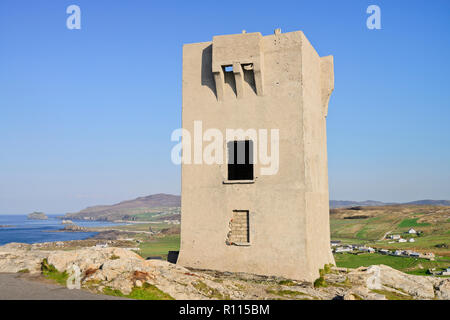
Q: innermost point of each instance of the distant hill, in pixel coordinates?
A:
(143, 207)
(429, 202)
(127, 210)
(347, 203)
(371, 203)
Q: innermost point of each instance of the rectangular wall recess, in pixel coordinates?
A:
(239, 233)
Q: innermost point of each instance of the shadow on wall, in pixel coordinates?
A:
(207, 75)
(207, 78)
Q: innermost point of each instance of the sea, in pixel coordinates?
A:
(24, 230)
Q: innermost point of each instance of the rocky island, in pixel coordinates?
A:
(37, 216)
(71, 228)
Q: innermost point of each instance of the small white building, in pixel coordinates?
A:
(412, 240)
(401, 240)
(343, 249)
(367, 249)
(412, 231)
(428, 255)
(394, 236)
(335, 243)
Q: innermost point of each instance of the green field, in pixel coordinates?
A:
(410, 223)
(408, 265)
(160, 246)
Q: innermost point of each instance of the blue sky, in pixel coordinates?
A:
(86, 115)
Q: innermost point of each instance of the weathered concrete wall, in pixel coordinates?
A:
(288, 211)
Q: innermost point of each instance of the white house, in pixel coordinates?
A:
(428, 255)
(335, 243)
(402, 240)
(412, 231)
(394, 236)
(412, 240)
(343, 249)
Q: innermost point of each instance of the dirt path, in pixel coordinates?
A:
(33, 287)
(384, 236)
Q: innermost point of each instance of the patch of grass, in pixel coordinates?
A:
(146, 292)
(354, 261)
(24, 271)
(326, 269)
(361, 234)
(405, 264)
(390, 295)
(320, 282)
(160, 246)
(409, 223)
(114, 257)
(112, 292)
(91, 283)
(50, 272)
(206, 290)
(344, 284)
(285, 293)
(287, 282)
(239, 286)
(357, 297)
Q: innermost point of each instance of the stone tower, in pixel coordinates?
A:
(237, 218)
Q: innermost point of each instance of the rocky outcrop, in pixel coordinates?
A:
(122, 269)
(37, 216)
(381, 278)
(73, 228)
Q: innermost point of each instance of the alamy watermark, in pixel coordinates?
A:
(374, 20)
(208, 147)
(74, 20)
(74, 279)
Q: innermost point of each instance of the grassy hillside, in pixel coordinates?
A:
(140, 208)
(370, 225)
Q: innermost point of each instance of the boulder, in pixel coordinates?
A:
(443, 290)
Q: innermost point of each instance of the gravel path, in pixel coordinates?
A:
(33, 287)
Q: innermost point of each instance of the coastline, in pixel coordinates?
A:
(20, 229)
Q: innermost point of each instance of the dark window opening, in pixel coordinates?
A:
(240, 160)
